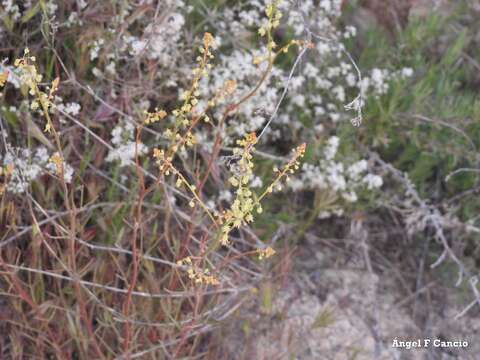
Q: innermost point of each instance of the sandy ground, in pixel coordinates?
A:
(334, 307)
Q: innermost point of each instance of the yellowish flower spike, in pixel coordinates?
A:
(9, 169)
(242, 208)
(3, 77)
(274, 15)
(58, 161)
(186, 116)
(154, 117)
(196, 274)
(230, 87)
(265, 253)
(54, 87)
(30, 78)
(208, 40)
(6, 172)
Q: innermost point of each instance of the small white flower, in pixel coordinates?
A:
(82, 3)
(137, 46)
(407, 72)
(350, 196)
(71, 108)
(96, 45)
(356, 169)
(373, 181)
(225, 195)
(332, 147)
(256, 182)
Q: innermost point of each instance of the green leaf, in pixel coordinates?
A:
(11, 118)
(34, 131)
(267, 298)
(323, 319)
(246, 327)
(455, 50)
(42, 5)
(30, 13)
(7, 20)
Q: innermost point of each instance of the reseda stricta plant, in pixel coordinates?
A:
(244, 204)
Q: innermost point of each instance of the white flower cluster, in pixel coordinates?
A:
(344, 180)
(158, 40)
(123, 141)
(74, 17)
(164, 37)
(11, 8)
(51, 7)
(73, 20)
(29, 165)
(377, 82)
(71, 108)
(95, 49)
